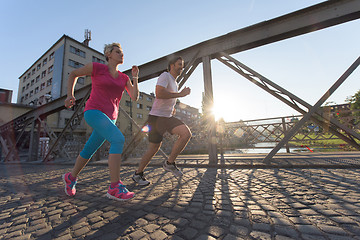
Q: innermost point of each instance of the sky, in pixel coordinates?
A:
(307, 65)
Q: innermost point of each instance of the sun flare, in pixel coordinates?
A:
(223, 110)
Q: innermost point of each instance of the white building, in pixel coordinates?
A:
(46, 78)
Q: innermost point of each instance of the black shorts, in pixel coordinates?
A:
(159, 125)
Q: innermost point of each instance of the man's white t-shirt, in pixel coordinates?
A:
(165, 107)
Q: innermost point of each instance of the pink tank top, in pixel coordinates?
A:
(106, 91)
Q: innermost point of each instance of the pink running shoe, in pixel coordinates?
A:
(120, 193)
(69, 185)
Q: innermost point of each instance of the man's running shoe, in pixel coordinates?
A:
(119, 193)
(70, 189)
(140, 179)
(172, 168)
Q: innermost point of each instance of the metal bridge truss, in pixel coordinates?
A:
(320, 16)
(314, 112)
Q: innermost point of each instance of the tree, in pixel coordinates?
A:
(355, 102)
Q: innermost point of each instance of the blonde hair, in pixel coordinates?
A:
(109, 47)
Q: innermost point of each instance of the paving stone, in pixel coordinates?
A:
(260, 235)
(308, 229)
(232, 237)
(205, 237)
(332, 229)
(238, 230)
(170, 229)
(158, 235)
(151, 228)
(188, 233)
(215, 231)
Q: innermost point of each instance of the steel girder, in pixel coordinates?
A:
(323, 15)
(310, 19)
(296, 102)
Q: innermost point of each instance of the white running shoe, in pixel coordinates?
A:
(140, 179)
(172, 168)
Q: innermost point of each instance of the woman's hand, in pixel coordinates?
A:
(70, 102)
(135, 71)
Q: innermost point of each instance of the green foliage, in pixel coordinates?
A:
(355, 102)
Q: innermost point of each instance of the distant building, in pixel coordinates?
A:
(5, 95)
(186, 113)
(10, 111)
(46, 78)
(339, 108)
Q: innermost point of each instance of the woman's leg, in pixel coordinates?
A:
(91, 146)
(107, 129)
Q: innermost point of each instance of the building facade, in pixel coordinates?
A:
(5, 95)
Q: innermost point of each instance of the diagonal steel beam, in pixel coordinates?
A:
(12, 148)
(82, 102)
(288, 98)
(310, 19)
(312, 110)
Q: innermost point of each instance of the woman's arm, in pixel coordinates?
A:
(72, 79)
(133, 88)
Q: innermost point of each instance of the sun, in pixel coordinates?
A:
(222, 110)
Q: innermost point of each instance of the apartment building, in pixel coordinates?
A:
(46, 78)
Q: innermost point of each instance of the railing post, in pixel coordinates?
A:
(284, 131)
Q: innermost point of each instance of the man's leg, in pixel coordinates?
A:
(152, 149)
(184, 134)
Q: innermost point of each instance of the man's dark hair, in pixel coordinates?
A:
(174, 60)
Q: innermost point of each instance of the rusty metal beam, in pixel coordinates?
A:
(320, 16)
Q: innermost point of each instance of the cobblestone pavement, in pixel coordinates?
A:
(206, 204)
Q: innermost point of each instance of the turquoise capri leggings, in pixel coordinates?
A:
(103, 129)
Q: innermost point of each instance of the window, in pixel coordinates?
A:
(38, 67)
(43, 74)
(23, 89)
(28, 75)
(22, 99)
(26, 96)
(48, 82)
(77, 51)
(139, 106)
(36, 90)
(42, 86)
(81, 80)
(24, 79)
(74, 64)
(44, 61)
(27, 86)
(31, 93)
(128, 103)
(37, 78)
(32, 82)
(95, 59)
(149, 99)
(140, 96)
(139, 115)
(148, 108)
(33, 71)
(51, 56)
(51, 68)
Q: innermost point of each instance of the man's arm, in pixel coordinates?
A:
(164, 93)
